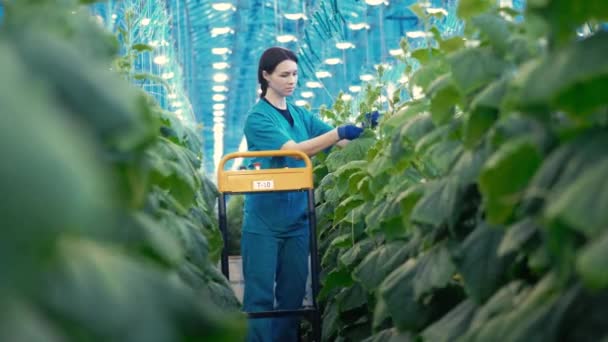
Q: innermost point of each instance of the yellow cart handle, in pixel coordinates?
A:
(265, 180)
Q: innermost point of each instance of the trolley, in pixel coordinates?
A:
(273, 180)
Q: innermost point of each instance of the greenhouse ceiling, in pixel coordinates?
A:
(208, 51)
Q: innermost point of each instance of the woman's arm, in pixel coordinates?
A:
(316, 144)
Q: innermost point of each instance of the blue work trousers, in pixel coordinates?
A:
(266, 260)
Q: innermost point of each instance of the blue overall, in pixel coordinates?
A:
(275, 240)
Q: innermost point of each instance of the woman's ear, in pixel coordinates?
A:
(266, 75)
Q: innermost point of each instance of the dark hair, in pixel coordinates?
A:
(269, 61)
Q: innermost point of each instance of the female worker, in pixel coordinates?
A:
(275, 240)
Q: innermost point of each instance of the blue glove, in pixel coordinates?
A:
(371, 119)
(349, 132)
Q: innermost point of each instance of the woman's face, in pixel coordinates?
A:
(284, 78)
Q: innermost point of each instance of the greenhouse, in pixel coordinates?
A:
(304, 170)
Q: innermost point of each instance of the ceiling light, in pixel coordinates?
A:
(219, 106)
(161, 60)
(354, 89)
(294, 16)
(358, 26)
(172, 96)
(432, 10)
(217, 31)
(219, 97)
(313, 84)
(346, 97)
(307, 94)
(301, 103)
(220, 51)
(395, 52)
(403, 79)
(344, 45)
(178, 111)
(416, 34)
(375, 2)
(153, 43)
(220, 88)
(333, 61)
(145, 22)
(114, 16)
(220, 77)
(323, 74)
(167, 75)
(223, 6)
(220, 65)
(366, 77)
(218, 113)
(218, 119)
(286, 38)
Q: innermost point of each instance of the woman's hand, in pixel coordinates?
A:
(349, 132)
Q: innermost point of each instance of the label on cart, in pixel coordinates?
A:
(263, 185)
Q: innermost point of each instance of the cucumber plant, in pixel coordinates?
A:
(108, 226)
(477, 212)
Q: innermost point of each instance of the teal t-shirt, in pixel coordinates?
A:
(282, 213)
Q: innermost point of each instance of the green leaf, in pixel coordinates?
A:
(336, 279)
(397, 294)
(565, 17)
(477, 125)
(418, 11)
(515, 161)
(90, 275)
(191, 239)
(21, 321)
(452, 325)
(444, 96)
(451, 44)
(469, 8)
(331, 321)
(538, 317)
(52, 171)
(474, 68)
(428, 73)
(591, 263)
(351, 298)
(380, 262)
(155, 240)
(389, 335)
(355, 150)
(483, 271)
(403, 115)
(434, 271)
(140, 47)
(516, 237)
(104, 103)
(439, 204)
(495, 29)
(342, 241)
(568, 84)
(485, 107)
(356, 253)
(582, 205)
(426, 55)
(502, 301)
(174, 171)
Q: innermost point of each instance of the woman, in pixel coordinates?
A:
(274, 244)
